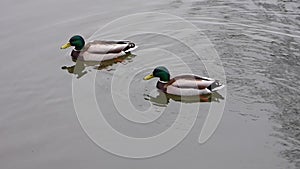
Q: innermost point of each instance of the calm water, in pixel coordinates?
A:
(258, 43)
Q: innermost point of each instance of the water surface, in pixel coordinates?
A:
(257, 41)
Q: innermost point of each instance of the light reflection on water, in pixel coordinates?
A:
(80, 68)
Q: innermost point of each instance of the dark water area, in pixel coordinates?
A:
(258, 43)
(259, 47)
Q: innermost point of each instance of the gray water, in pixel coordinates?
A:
(257, 42)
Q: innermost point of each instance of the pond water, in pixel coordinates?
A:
(257, 43)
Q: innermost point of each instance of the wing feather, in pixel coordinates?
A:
(105, 47)
(191, 81)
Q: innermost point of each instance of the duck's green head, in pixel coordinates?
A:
(161, 72)
(76, 41)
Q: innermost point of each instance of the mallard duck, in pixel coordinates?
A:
(98, 50)
(183, 85)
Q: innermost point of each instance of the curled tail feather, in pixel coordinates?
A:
(216, 85)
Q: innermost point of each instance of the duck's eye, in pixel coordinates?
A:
(71, 42)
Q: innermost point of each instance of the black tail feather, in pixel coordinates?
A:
(214, 85)
(130, 45)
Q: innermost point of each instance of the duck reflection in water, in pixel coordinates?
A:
(80, 67)
(163, 99)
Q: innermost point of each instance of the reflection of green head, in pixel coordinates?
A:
(161, 72)
(77, 41)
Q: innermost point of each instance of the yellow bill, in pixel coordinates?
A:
(66, 45)
(148, 77)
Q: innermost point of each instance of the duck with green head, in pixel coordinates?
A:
(183, 85)
(98, 50)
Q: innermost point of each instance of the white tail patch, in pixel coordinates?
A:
(218, 88)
